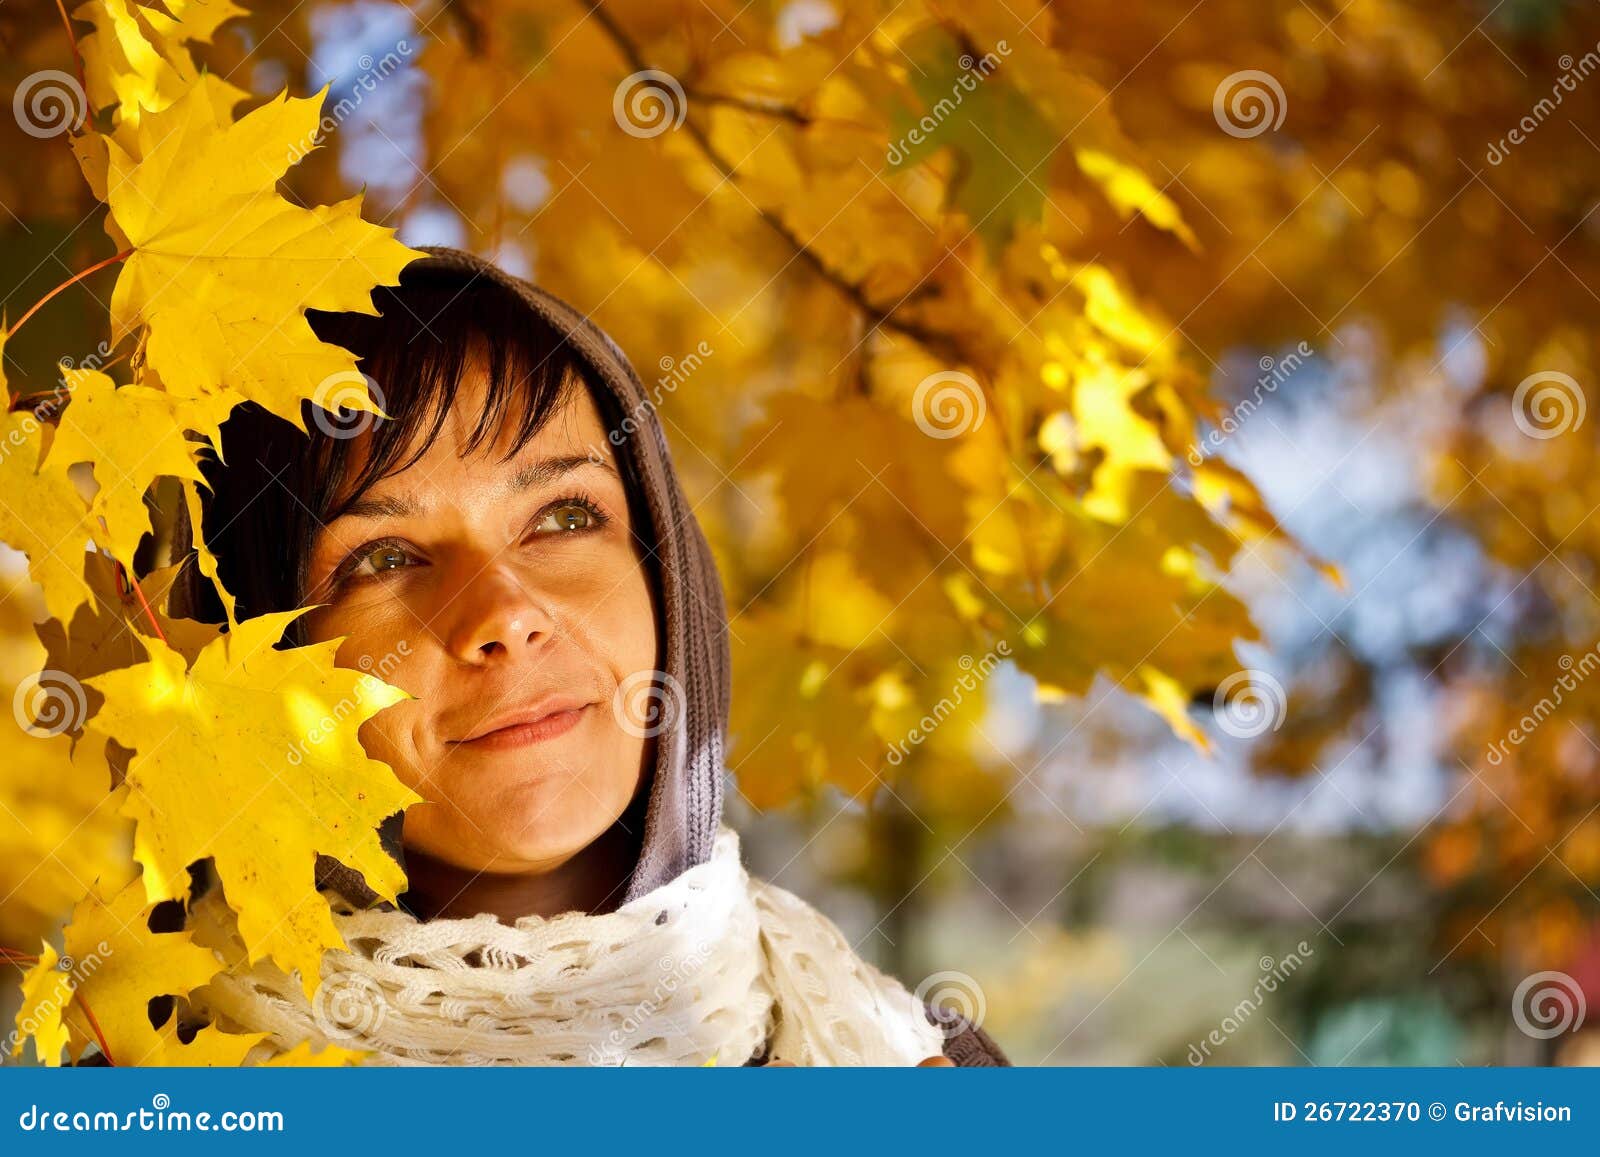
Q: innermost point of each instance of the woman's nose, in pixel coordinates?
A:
(492, 614)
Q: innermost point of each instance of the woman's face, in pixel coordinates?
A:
(511, 600)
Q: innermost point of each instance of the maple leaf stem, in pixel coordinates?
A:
(775, 110)
(72, 39)
(69, 282)
(99, 1037)
(133, 584)
(20, 957)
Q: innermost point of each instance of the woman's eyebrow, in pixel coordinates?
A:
(529, 477)
(547, 470)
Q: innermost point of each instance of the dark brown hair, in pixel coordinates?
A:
(275, 485)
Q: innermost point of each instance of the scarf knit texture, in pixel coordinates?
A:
(714, 967)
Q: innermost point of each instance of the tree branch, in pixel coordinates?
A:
(942, 345)
(471, 27)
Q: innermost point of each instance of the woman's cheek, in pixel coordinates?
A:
(376, 641)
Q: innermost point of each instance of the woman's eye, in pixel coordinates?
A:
(566, 517)
(380, 559)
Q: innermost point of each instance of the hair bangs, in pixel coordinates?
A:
(415, 354)
(280, 486)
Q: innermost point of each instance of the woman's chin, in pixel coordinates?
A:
(539, 822)
(529, 807)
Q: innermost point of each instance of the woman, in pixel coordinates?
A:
(512, 547)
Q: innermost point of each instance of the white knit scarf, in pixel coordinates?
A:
(713, 967)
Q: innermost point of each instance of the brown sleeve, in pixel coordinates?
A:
(965, 1043)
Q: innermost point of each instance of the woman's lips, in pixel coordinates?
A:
(555, 724)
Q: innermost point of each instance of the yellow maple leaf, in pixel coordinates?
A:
(204, 558)
(209, 1048)
(46, 992)
(1107, 419)
(133, 435)
(135, 58)
(824, 734)
(59, 827)
(112, 634)
(93, 151)
(1130, 191)
(251, 757)
(327, 1057)
(224, 268)
(186, 636)
(120, 964)
(43, 515)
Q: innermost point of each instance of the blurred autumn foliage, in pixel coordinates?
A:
(939, 298)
